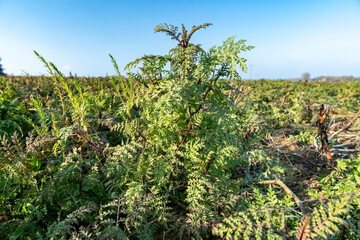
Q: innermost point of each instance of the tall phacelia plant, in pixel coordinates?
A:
(162, 152)
(184, 130)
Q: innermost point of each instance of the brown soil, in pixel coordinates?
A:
(303, 160)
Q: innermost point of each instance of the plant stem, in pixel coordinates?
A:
(288, 192)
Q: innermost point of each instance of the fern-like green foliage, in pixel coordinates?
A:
(161, 150)
(182, 37)
(265, 217)
(343, 183)
(325, 219)
(303, 231)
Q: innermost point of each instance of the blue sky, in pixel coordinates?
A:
(290, 37)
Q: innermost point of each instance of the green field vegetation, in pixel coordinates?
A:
(174, 151)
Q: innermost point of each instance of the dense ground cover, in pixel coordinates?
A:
(176, 152)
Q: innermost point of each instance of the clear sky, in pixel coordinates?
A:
(291, 37)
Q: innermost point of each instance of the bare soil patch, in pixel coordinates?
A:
(305, 162)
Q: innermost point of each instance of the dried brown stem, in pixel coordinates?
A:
(303, 230)
(349, 143)
(346, 126)
(90, 142)
(287, 190)
(322, 129)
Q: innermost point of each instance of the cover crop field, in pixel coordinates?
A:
(172, 150)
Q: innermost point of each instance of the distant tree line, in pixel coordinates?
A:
(306, 77)
(335, 79)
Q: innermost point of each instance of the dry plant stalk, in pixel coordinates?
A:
(303, 231)
(286, 98)
(322, 129)
(288, 192)
(347, 126)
